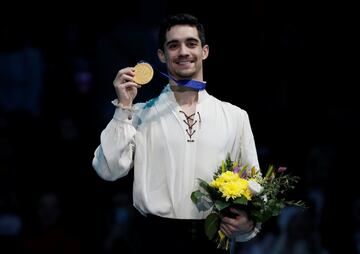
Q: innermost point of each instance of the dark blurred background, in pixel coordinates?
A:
(287, 63)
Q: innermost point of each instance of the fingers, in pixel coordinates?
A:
(239, 224)
(237, 211)
(226, 230)
(125, 78)
(239, 214)
(125, 74)
(231, 230)
(128, 85)
(125, 87)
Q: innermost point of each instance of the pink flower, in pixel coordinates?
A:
(281, 169)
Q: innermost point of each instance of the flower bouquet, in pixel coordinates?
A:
(233, 186)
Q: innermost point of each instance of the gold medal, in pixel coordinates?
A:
(143, 73)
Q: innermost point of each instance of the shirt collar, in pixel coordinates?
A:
(202, 94)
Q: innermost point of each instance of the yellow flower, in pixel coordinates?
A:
(232, 186)
(230, 190)
(229, 176)
(225, 177)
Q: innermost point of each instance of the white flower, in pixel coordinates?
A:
(264, 197)
(255, 187)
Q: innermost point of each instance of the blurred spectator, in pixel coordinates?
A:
(47, 232)
(11, 226)
(21, 74)
(119, 230)
(297, 234)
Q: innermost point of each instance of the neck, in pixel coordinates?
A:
(185, 96)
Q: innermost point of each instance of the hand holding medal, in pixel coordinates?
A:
(143, 73)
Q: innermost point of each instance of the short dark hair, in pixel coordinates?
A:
(179, 19)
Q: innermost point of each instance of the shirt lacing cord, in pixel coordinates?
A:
(190, 123)
(199, 119)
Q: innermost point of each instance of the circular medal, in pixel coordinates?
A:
(143, 73)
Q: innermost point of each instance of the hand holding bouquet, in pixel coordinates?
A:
(246, 189)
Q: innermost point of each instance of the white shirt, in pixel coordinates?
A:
(168, 156)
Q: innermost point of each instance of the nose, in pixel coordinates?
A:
(183, 50)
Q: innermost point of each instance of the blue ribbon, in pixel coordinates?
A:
(191, 83)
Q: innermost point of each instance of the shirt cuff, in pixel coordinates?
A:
(248, 236)
(123, 114)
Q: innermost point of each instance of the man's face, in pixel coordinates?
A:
(183, 53)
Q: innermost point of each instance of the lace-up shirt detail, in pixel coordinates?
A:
(190, 121)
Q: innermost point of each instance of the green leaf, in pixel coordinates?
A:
(212, 224)
(204, 184)
(241, 201)
(196, 195)
(219, 204)
(269, 171)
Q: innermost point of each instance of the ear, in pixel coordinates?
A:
(161, 55)
(205, 50)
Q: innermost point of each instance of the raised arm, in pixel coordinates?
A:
(113, 158)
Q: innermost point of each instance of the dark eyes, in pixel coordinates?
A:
(192, 44)
(172, 46)
(189, 44)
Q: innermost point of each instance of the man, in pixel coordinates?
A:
(173, 140)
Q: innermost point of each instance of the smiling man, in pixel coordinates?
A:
(173, 140)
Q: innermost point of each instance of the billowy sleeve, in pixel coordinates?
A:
(248, 153)
(113, 158)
